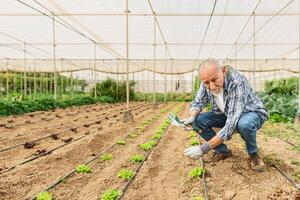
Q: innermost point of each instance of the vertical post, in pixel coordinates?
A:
(25, 69)
(235, 54)
(117, 86)
(62, 77)
(298, 114)
(154, 60)
(54, 57)
(34, 79)
(7, 83)
(166, 74)
(254, 46)
(95, 57)
(127, 57)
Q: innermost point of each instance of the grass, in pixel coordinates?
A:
(196, 172)
(106, 157)
(83, 169)
(285, 131)
(137, 158)
(121, 142)
(44, 196)
(110, 194)
(125, 174)
(272, 160)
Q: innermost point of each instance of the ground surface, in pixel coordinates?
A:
(164, 175)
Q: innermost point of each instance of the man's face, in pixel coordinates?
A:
(213, 78)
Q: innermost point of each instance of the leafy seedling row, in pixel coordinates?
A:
(103, 156)
(113, 194)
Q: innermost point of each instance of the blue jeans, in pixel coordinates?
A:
(247, 127)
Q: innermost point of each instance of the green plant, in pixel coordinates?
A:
(192, 134)
(198, 198)
(44, 196)
(137, 158)
(121, 142)
(196, 172)
(106, 157)
(156, 136)
(83, 169)
(125, 174)
(194, 141)
(148, 145)
(110, 194)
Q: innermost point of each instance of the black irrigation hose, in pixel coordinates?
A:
(138, 169)
(292, 144)
(86, 163)
(42, 138)
(287, 176)
(203, 175)
(34, 122)
(46, 153)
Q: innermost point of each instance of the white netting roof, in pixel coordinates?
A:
(186, 32)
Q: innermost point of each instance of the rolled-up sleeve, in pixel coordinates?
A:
(237, 98)
(200, 100)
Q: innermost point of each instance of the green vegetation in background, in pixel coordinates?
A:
(280, 98)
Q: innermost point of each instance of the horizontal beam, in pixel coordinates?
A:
(148, 44)
(161, 14)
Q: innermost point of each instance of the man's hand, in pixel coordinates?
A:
(195, 152)
(192, 118)
(188, 121)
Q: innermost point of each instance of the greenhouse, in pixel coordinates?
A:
(102, 99)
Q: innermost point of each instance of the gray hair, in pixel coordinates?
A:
(208, 63)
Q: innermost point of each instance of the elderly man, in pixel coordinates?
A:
(235, 106)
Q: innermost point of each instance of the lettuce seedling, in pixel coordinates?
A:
(148, 145)
(83, 169)
(194, 141)
(156, 136)
(137, 158)
(110, 195)
(196, 172)
(106, 157)
(44, 196)
(121, 142)
(125, 174)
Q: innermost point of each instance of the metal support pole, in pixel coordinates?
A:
(34, 79)
(235, 53)
(117, 86)
(154, 62)
(25, 73)
(297, 119)
(54, 57)
(254, 67)
(95, 57)
(128, 117)
(166, 74)
(127, 57)
(62, 77)
(7, 83)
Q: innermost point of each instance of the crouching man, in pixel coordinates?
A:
(235, 107)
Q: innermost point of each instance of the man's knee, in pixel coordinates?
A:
(244, 127)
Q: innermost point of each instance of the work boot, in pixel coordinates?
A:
(216, 157)
(256, 163)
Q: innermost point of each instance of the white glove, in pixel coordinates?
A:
(195, 152)
(188, 121)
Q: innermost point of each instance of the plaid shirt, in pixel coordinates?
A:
(239, 98)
